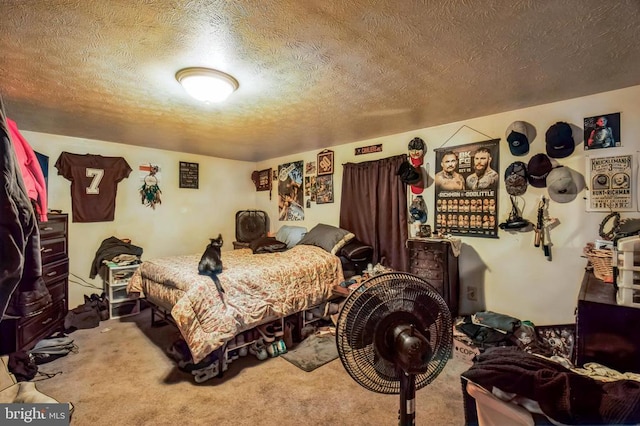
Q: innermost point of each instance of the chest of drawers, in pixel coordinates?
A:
(606, 333)
(434, 261)
(21, 334)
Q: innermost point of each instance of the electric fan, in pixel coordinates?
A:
(394, 335)
(251, 225)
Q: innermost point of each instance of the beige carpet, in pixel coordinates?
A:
(121, 376)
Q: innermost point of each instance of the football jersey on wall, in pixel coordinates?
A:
(94, 183)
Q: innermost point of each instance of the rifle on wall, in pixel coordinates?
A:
(542, 237)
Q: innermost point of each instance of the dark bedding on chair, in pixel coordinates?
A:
(563, 395)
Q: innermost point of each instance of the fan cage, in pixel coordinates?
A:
(367, 305)
(251, 225)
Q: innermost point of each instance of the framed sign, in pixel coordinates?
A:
(264, 180)
(325, 163)
(188, 175)
(369, 149)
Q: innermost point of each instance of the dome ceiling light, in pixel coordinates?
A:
(206, 84)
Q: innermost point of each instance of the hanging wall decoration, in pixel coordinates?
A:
(262, 179)
(150, 190)
(310, 188)
(466, 189)
(290, 191)
(188, 175)
(611, 182)
(368, 149)
(310, 168)
(325, 163)
(324, 189)
(602, 131)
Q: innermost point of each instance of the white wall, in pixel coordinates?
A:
(181, 224)
(512, 276)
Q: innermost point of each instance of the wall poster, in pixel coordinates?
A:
(602, 131)
(611, 181)
(324, 189)
(466, 189)
(290, 191)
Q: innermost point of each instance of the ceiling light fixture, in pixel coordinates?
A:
(206, 84)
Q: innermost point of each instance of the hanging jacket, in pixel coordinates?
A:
(17, 220)
(32, 175)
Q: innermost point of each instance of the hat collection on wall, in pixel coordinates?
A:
(540, 172)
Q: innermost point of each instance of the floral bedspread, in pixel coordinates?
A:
(257, 287)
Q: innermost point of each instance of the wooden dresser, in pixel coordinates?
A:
(606, 333)
(21, 334)
(434, 261)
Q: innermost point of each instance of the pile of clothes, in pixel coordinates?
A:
(116, 250)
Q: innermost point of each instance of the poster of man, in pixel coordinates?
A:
(602, 131)
(290, 191)
(466, 189)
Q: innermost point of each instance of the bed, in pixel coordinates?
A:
(258, 288)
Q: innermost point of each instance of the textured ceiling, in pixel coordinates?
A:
(312, 73)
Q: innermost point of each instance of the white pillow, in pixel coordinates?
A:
(290, 235)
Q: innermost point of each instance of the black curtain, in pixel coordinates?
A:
(374, 207)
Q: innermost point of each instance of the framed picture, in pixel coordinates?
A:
(263, 182)
(602, 131)
(325, 163)
(188, 175)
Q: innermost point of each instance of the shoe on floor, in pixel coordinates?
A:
(258, 350)
(272, 349)
(282, 348)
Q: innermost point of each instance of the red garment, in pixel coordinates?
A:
(30, 169)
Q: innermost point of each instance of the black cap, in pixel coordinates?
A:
(559, 139)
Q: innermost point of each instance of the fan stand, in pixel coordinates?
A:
(394, 336)
(407, 399)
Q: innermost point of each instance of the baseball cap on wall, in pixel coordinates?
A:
(408, 174)
(418, 210)
(561, 186)
(538, 169)
(518, 138)
(418, 187)
(515, 178)
(559, 140)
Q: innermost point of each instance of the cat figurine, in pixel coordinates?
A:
(211, 262)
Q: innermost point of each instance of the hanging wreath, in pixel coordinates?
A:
(150, 191)
(609, 234)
